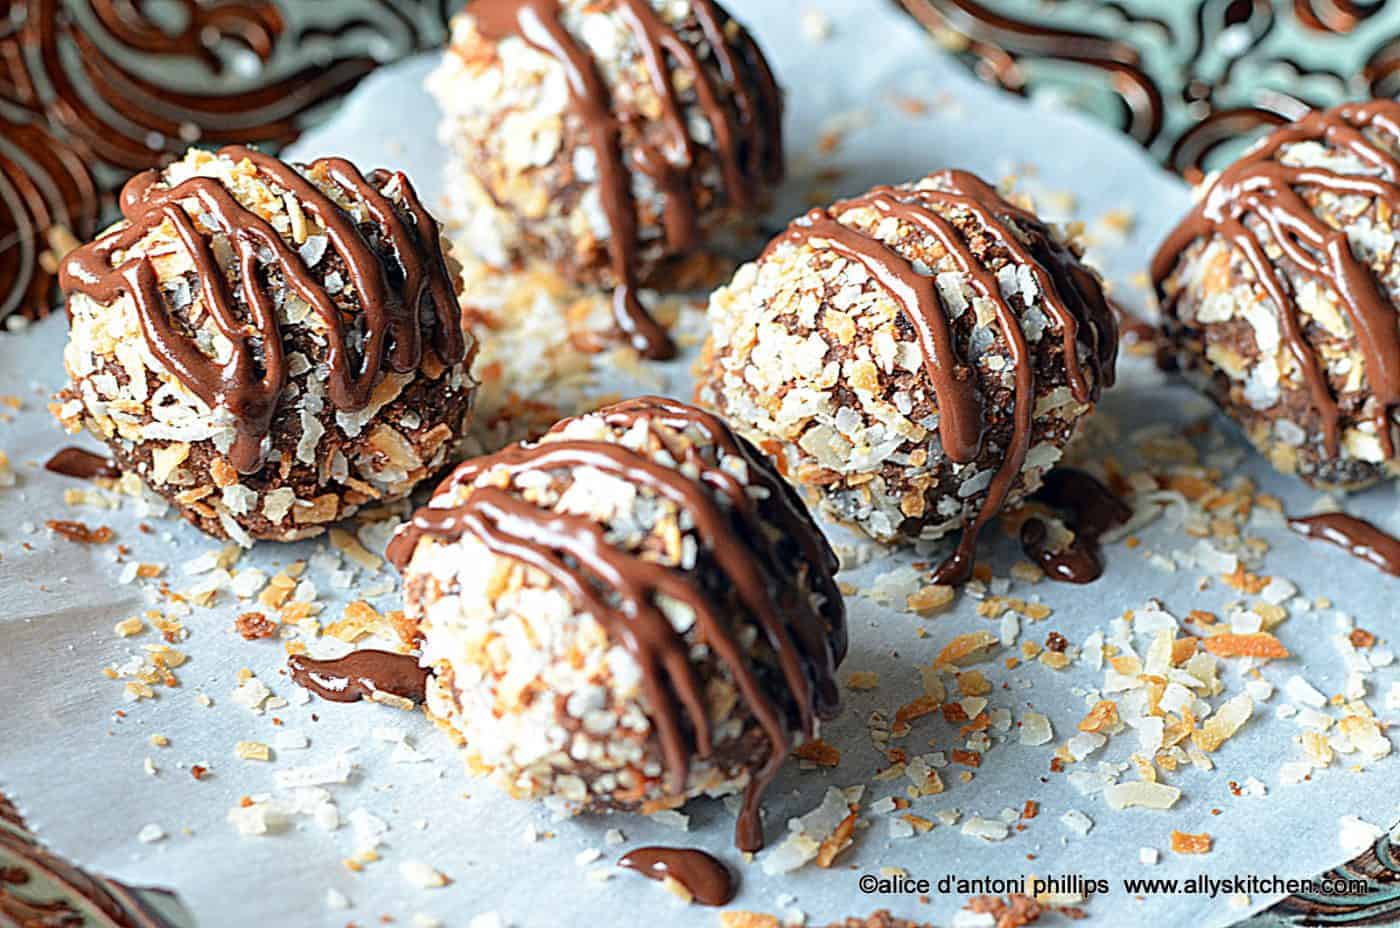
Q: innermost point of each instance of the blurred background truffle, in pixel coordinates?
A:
(612, 140)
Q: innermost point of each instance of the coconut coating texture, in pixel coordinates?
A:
(1223, 326)
(549, 701)
(816, 360)
(320, 462)
(524, 176)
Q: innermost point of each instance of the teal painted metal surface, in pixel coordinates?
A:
(1187, 78)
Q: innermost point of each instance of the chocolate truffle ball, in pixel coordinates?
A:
(269, 346)
(611, 139)
(631, 612)
(917, 357)
(1279, 292)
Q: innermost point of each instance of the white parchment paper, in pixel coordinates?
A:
(77, 767)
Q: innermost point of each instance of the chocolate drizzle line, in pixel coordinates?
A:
(1356, 536)
(250, 382)
(86, 899)
(747, 133)
(361, 675)
(574, 552)
(81, 464)
(1260, 187)
(1073, 299)
(1093, 510)
(703, 876)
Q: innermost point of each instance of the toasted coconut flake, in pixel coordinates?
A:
(1224, 723)
(965, 649)
(1258, 644)
(819, 752)
(735, 918)
(931, 600)
(863, 680)
(1185, 843)
(252, 750)
(837, 841)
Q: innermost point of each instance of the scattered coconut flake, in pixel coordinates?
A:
(986, 829)
(1077, 822)
(1301, 691)
(1035, 728)
(421, 875)
(1144, 795)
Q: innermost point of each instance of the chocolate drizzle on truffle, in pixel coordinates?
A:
(1073, 299)
(747, 130)
(362, 675)
(619, 589)
(82, 464)
(703, 876)
(391, 319)
(1356, 536)
(1092, 509)
(1259, 192)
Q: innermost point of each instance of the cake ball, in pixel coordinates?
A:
(631, 612)
(917, 357)
(1279, 289)
(269, 346)
(610, 139)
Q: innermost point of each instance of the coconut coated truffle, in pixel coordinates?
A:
(610, 139)
(269, 346)
(1279, 293)
(917, 357)
(631, 612)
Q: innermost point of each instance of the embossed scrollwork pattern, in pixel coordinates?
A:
(1187, 80)
(94, 90)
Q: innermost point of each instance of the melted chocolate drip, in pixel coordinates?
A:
(84, 465)
(389, 327)
(361, 675)
(1092, 509)
(703, 876)
(1259, 187)
(745, 113)
(1356, 536)
(1073, 299)
(575, 553)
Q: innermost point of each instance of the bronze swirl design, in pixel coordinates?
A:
(92, 91)
(1000, 43)
(1378, 868)
(1339, 16)
(1176, 92)
(39, 888)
